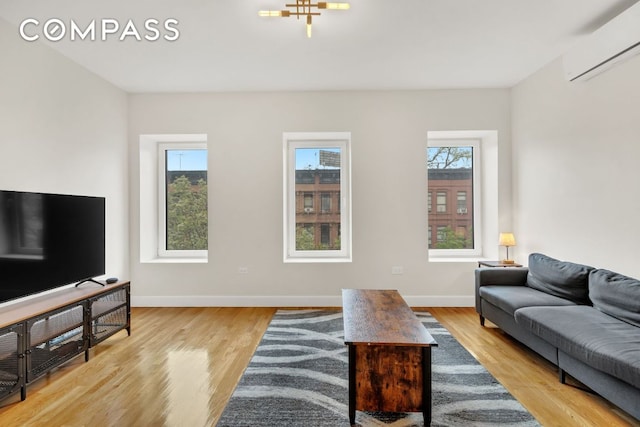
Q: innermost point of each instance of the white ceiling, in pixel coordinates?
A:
(377, 44)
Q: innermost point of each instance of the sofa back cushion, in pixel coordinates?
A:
(615, 295)
(560, 278)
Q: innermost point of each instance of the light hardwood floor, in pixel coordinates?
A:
(180, 366)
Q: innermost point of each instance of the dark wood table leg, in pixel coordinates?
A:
(426, 385)
(352, 385)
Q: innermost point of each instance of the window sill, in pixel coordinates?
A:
(176, 261)
(316, 260)
(457, 259)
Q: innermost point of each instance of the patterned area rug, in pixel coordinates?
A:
(298, 376)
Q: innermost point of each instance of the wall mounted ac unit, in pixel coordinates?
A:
(617, 40)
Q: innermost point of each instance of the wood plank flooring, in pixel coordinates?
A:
(180, 366)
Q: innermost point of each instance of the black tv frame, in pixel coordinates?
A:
(49, 240)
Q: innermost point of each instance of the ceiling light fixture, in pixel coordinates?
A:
(303, 8)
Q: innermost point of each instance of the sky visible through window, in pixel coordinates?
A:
(187, 160)
(309, 158)
(306, 158)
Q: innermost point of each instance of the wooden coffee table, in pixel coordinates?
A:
(389, 354)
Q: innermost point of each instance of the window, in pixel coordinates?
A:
(462, 202)
(429, 203)
(317, 165)
(173, 198)
(441, 201)
(183, 202)
(325, 202)
(308, 202)
(325, 235)
(453, 169)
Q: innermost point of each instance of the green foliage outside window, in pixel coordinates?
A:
(453, 240)
(305, 240)
(187, 217)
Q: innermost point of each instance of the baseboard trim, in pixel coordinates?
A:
(285, 301)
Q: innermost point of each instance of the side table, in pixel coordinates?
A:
(496, 264)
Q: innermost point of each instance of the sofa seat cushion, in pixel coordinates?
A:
(616, 295)
(511, 298)
(560, 278)
(585, 333)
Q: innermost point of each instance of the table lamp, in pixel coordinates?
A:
(506, 240)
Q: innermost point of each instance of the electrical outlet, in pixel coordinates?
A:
(397, 270)
(243, 270)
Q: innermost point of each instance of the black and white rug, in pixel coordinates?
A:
(298, 376)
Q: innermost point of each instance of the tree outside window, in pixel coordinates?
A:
(187, 216)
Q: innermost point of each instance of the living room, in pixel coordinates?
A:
(565, 173)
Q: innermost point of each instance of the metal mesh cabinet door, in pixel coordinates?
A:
(11, 360)
(54, 338)
(110, 313)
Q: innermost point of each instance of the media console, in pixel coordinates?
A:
(40, 334)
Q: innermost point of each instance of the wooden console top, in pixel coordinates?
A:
(17, 312)
(381, 317)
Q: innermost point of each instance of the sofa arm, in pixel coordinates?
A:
(509, 276)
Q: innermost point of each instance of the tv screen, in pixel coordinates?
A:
(49, 240)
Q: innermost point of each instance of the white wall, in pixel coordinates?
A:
(64, 130)
(576, 166)
(389, 134)
(575, 182)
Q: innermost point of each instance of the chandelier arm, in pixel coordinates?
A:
(302, 5)
(305, 13)
(309, 6)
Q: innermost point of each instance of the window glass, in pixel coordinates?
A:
(317, 177)
(462, 202)
(326, 202)
(441, 201)
(308, 202)
(450, 171)
(186, 200)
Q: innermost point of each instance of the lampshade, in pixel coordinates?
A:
(507, 239)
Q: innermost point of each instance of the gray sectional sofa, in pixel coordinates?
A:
(584, 320)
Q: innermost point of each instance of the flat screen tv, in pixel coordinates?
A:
(48, 241)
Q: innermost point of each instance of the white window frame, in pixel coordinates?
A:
(153, 196)
(291, 142)
(163, 252)
(438, 139)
